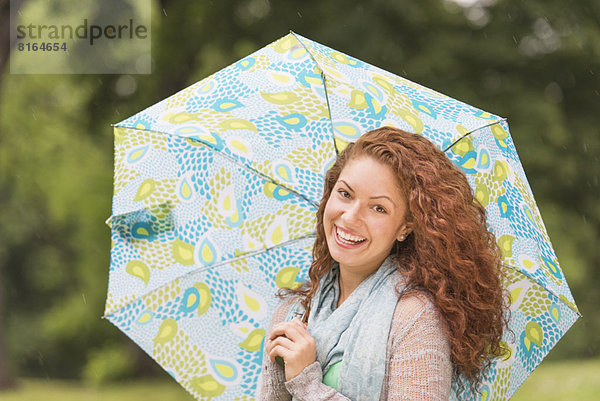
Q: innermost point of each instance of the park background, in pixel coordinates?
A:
(535, 62)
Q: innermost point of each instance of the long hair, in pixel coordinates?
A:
(450, 253)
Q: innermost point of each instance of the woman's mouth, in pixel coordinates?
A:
(346, 238)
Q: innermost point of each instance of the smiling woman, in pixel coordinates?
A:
(364, 216)
(405, 286)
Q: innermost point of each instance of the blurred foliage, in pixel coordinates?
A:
(107, 364)
(536, 62)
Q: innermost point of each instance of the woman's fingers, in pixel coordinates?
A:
(283, 352)
(292, 341)
(284, 336)
(280, 341)
(294, 330)
(298, 323)
(283, 341)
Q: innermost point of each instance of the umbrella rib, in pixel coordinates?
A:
(328, 109)
(472, 131)
(324, 78)
(205, 268)
(232, 160)
(536, 281)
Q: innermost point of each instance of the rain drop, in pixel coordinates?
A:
(125, 85)
(553, 92)
(478, 16)
(143, 64)
(164, 12)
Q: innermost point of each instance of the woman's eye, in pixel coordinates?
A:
(345, 194)
(379, 209)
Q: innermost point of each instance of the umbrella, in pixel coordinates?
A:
(215, 194)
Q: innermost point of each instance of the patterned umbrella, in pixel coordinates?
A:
(215, 193)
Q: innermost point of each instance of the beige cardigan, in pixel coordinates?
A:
(418, 360)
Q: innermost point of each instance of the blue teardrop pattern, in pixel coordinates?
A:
(143, 231)
(294, 121)
(190, 300)
(206, 87)
(185, 188)
(226, 105)
(137, 154)
(483, 159)
(146, 317)
(552, 267)
(246, 63)
(190, 131)
(206, 253)
(284, 171)
(227, 372)
(347, 130)
(237, 217)
(468, 162)
(424, 108)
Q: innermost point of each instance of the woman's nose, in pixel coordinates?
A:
(352, 213)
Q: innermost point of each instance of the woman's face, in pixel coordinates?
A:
(364, 216)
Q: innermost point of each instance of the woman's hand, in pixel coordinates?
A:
(291, 341)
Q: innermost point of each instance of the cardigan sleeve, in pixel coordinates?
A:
(273, 375)
(418, 367)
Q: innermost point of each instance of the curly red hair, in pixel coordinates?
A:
(450, 253)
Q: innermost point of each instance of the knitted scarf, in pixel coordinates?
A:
(357, 332)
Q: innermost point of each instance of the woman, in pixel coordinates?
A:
(405, 288)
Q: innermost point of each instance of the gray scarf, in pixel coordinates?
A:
(357, 332)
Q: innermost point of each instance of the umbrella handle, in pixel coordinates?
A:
(303, 316)
(279, 361)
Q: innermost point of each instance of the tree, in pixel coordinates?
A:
(6, 377)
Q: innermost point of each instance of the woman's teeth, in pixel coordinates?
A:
(348, 238)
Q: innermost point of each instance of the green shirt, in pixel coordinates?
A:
(331, 377)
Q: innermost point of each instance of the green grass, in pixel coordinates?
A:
(65, 390)
(564, 381)
(552, 381)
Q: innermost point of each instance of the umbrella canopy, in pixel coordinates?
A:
(215, 194)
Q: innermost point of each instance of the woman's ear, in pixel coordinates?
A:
(404, 232)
